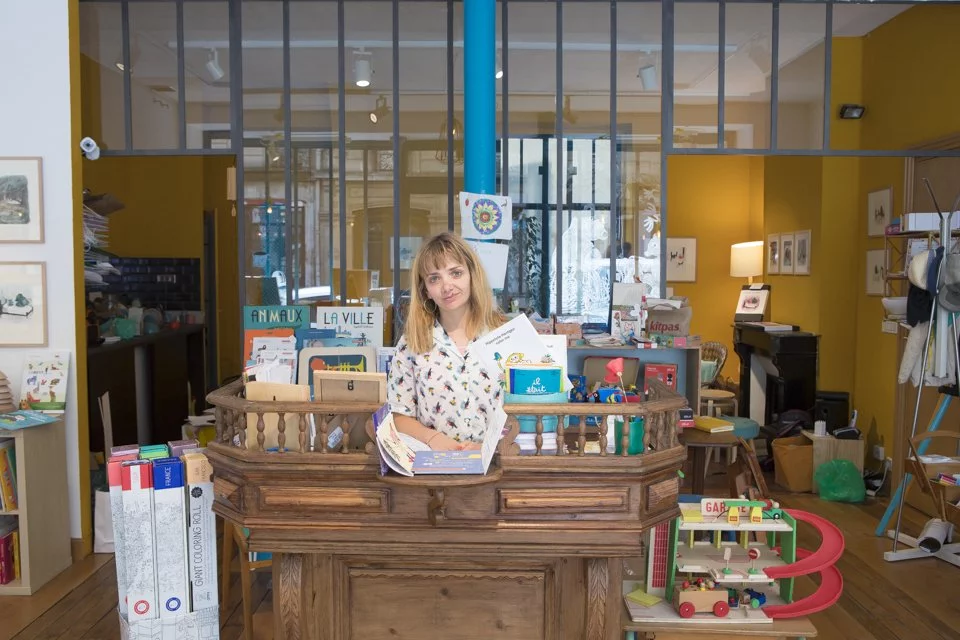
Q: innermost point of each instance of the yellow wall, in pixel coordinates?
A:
(910, 100)
(712, 199)
(791, 199)
(163, 216)
(227, 271)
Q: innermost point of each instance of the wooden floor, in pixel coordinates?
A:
(910, 600)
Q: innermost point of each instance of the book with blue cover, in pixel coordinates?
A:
(408, 456)
(25, 418)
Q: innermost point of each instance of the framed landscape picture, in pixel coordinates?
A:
(21, 200)
(23, 304)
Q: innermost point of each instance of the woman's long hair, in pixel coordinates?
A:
(483, 314)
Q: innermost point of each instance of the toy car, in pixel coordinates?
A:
(699, 598)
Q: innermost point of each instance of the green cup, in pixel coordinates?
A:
(635, 445)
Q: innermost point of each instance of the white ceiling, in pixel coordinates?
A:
(532, 56)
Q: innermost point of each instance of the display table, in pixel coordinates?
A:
(776, 630)
(532, 550)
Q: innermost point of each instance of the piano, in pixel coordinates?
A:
(778, 371)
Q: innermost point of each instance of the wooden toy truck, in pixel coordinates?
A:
(693, 600)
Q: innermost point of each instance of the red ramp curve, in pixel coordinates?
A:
(831, 586)
(830, 550)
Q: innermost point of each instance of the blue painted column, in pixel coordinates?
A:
(480, 95)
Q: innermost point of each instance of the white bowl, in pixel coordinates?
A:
(895, 306)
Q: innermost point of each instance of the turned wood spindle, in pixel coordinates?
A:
(582, 435)
(539, 438)
(652, 426)
(560, 440)
(260, 427)
(322, 432)
(347, 427)
(603, 440)
(625, 439)
(303, 433)
(281, 432)
(239, 421)
(223, 430)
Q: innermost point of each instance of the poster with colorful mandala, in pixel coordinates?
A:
(486, 217)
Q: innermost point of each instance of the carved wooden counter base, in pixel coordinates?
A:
(534, 554)
(533, 551)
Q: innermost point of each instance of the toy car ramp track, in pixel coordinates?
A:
(831, 586)
(830, 550)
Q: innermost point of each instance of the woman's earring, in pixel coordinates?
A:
(429, 305)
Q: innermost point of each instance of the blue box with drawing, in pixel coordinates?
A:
(534, 380)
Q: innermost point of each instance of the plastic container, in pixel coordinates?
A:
(528, 423)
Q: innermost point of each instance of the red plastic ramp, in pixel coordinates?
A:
(830, 550)
(831, 586)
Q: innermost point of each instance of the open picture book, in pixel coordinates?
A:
(408, 456)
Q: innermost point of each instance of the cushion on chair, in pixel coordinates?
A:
(744, 427)
(708, 371)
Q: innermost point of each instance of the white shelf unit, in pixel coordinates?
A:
(44, 520)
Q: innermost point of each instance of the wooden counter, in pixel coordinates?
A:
(533, 550)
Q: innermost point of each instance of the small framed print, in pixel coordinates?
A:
(773, 253)
(801, 253)
(21, 200)
(787, 253)
(879, 211)
(23, 304)
(876, 272)
(681, 259)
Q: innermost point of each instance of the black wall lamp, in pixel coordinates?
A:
(852, 111)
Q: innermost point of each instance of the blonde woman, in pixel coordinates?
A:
(439, 392)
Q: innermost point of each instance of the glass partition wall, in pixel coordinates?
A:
(346, 118)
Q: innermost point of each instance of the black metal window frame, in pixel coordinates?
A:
(667, 148)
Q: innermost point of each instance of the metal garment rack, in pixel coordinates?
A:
(946, 324)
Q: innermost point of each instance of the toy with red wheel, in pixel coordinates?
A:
(699, 597)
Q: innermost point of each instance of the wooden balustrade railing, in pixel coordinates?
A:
(293, 423)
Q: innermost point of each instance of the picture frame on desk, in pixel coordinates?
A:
(752, 304)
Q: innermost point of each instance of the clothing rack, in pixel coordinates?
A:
(943, 327)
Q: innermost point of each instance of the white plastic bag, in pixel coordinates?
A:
(102, 524)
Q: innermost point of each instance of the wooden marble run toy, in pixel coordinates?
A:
(721, 574)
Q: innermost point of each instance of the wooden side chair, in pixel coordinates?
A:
(236, 537)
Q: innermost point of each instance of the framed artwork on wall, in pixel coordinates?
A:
(801, 253)
(773, 253)
(23, 304)
(876, 272)
(21, 200)
(681, 259)
(879, 211)
(787, 253)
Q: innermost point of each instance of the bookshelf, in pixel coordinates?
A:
(44, 520)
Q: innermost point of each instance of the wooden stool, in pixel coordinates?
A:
(233, 536)
(712, 400)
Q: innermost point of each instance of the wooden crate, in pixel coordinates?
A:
(826, 448)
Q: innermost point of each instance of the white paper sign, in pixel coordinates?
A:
(486, 217)
(493, 257)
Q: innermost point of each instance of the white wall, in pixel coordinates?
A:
(35, 121)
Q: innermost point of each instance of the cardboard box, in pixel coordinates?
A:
(793, 463)
(200, 625)
(827, 448)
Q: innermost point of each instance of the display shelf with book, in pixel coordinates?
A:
(41, 514)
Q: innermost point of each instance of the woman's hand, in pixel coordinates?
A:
(470, 446)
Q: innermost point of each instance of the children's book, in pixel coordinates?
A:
(514, 343)
(44, 385)
(24, 418)
(408, 456)
(711, 424)
(352, 326)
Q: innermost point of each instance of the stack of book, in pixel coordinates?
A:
(9, 550)
(161, 500)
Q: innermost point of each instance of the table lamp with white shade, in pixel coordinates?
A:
(746, 260)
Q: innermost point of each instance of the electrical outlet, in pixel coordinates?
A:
(878, 453)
